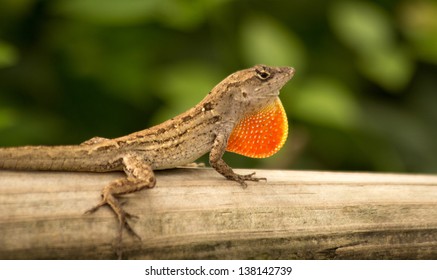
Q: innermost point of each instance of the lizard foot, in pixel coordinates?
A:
(139, 176)
(122, 216)
(241, 179)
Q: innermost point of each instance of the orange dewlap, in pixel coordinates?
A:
(261, 134)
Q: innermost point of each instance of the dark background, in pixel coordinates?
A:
(364, 96)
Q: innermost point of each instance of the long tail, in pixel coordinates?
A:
(60, 158)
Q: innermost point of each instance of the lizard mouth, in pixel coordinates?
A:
(272, 94)
(275, 93)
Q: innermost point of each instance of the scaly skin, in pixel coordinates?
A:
(178, 141)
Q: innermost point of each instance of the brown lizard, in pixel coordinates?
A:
(242, 114)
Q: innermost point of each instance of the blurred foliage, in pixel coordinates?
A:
(364, 96)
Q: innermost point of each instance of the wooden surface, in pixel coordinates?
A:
(196, 214)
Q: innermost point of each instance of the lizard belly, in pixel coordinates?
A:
(181, 154)
(180, 162)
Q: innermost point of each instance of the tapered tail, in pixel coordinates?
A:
(56, 158)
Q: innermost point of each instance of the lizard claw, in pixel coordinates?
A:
(121, 214)
(95, 208)
(241, 179)
(131, 216)
(124, 224)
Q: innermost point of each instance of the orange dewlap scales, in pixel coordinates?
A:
(261, 134)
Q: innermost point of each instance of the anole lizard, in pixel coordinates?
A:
(242, 114)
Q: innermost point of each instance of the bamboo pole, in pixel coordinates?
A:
(197, 214)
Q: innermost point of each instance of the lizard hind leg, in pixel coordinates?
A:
(139, 176)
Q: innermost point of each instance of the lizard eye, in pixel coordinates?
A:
(263, 75)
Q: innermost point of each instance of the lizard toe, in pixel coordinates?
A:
(95, 208)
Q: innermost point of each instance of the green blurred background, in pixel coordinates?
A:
(364, 96)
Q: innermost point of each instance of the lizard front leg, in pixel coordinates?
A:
(217, 162)
(139, 176)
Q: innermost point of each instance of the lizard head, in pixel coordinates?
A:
(259, 86)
